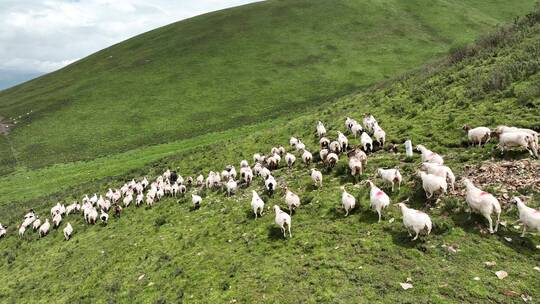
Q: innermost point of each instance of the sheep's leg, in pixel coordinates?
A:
(490, 223)
(392, 186)
(497, 222)
(416, 236)
(429, 194)
(524, 230)
(284, 232)
(346, 212)
(289, 227)
(379, 212)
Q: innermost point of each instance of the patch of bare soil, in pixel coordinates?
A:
(5, 126)
(509, 176)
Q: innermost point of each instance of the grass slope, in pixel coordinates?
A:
(219, 253)
(253, 62)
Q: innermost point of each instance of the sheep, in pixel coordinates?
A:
(92, 216)
(335, 147)
(30, 214)
(258, 158)
(355, 164)
(57, 219)
(174, 189)
(196, 200)
(270, 184)
(139, 200)
(343, 141)
(347, 200)
(440, 170)
(300, 146)
(246, 174)
(200, 180)
(369, 122)
(477, 135)
(271, 163)
(276, 156)
(257, 204)
(22, 229)
(292, 200)
(68, 231)
(349, 123)
(144, 182)
(27, 221)
(359, 154)
(225, 174)
(332, 159)
(265, 173)
(93, 199)
(36, 224)
(104, 217)
(244, 164)
(3, 231)
(231, 186)
(321, 130)
(117, 210)
(317, 177)
(293, 141)
(290, 159)
(182, 189)
(529, 217)
(232, 171)
(307, 157)
(483, 203)
(257, 168)
(415, 220)
(282, 220)
(149, 200)
(366, 142)
(429, 156)
(518, 139)
(323, 154)
(44, 229)
(433, 184)
(356, 130)
(505, 129)
(189, 181)
(75, 207)
(58, 208)
(324, 142)
(390, 176)
(378, 199)
(379, 134)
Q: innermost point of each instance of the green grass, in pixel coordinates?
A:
(229, 69)
(220, 254)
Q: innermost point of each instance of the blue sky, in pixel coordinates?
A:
(38, 37)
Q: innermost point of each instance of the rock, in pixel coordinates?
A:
(501, 274)
(490, 264)
(141, 277)
(406, 286)
(476, 278)
(509, 240)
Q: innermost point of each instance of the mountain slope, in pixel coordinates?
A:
(230, 68)
(219, 253)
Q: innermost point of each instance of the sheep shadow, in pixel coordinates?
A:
(368, 216)
(461, 219)
(519, 244)
(275, 233)
(401, 238)
(250, 215)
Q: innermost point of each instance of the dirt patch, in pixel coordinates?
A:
(508, 176)
(5, 126)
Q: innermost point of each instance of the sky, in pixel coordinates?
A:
(38, 37)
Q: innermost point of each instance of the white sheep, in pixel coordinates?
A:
(300, 146)
(505, 129)
(378, 199)
(518, 139)
(483, 203)
(257, 158)
(349, 123)
(307, 157)
(231, 186)
(332, 159)
(292, 200)
(75, 207)
(343, 141)
(529, 217)
(196, 200)
(317, 177)
(104, 217)
(36, 224)
(440, 170)
(357, 130)
(92, 216)
(44, 229)
(355, 164)
(415, 220)
(283, 220)
(335, 147)
(323, 154)
(429, 156)
(391, 176)
(265, 173)
(257, 204)
(139, 200)
(3, 231)
(244, 164)
(369, 122)
(293, 141)
(366, 142)
(272, 162)
(68, 231)
(57, 219)
(379, 134)
(321, 130)
(433, 184)
(347, 200)
(174, 189)
(477, 135)
(22, 229)
(232, 170)
(270, 184)
(290, 159)
(324, 142)
(246, 174)
(182, 189)
(200, 180)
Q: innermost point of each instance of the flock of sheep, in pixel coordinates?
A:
(435, 177)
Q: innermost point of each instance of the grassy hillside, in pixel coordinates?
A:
(220, 254)
(253, 63)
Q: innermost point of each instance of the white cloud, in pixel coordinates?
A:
(42, 36)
